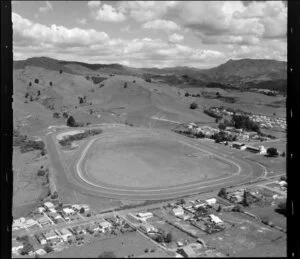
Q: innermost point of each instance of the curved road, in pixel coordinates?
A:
(246, 169)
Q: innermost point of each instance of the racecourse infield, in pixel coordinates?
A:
(111, 165)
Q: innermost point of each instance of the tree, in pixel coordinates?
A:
(26, 95)
(245, 200)
(36, 81)
(281, 208)
(30, 84)
(219, 209)
(159, 239)
(125, 85)
(237, 208)
(272, 152)
(223, 193)
(27, 248)
(146, 250)
(107, 254)
(187, 94)
(283, 154)
(48, 248)
(133, 81)
(80, 100)
(283, 178)
(56, 115)
(82, 210)
(54, 195)
(31, 98)
(222, 126)
(60, 71)
(193, 105)
(65, 115)
(50, 83)
(218, 94)
(38, 93)
(71, 122)
(169, 237)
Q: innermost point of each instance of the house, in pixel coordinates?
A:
(186, 251)
(44, 221)
(68, 211)
(49, 205)
(148, 228)
(54, 215)
(65, 234)
(145, 215)
(178, 211)
(215, 219)
(211, 201)
(198, 205)
(105, 226)
(53, 210)
(40, 252)
(16, 246)
(94, 227)
(282, 183)
(76, 207)
(238, 145)
(41, 209)
(51, 235)
(41, 239)
(184, 217)
(30, 222)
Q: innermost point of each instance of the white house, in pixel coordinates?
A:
(68, 211)
(211, 201)
(148, 228)
(40, 209)
(29, 223)
(51, 235)
(178, 211)
(40, 252)
(215, 219)
(145, 215)
(49, 205)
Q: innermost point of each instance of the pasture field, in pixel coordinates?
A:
(123, 245)
(150, 161)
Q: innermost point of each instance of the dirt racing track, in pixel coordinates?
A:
(84, 181)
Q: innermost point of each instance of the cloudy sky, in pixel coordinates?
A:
(148, 33)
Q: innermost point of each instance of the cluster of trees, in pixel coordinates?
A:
(96, 79)
(148, 79)
(272, 152)
(27, 245)
(27, 145)
(163, 237)
(244, 122)
(68, 140)
(193, 95)
(36, 81)
(223, 193)
(281, 208)
(222, 136)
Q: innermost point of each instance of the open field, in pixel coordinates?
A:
(141, 161)
(124, 245)
(28, 188)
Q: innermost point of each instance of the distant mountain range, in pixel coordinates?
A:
(243, 73)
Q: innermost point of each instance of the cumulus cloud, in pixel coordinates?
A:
(106, 13)
(234, 22)
(27, 32)
(175, 38)
(48, 6)
(161, 25)
(146, 10)
(94, 4)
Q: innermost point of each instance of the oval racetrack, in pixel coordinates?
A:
(76, 174)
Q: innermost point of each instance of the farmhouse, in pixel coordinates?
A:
(178, 211)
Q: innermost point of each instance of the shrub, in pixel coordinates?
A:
(54, 195)
(169, 238)
(26, 95)
(41, 172)
(146, 250)
(125, 85)
(50, 83)
(31, 98)
(148, 80)
(60, 71)
(222, 126)
(187, 94)
(283, 154)
(222, 193)
(56, 115)
(281, 208)
(48, 248)
(36, 81)
(237, 208)
(82, 210)
(38, 93)
(30, 84)
(193, 105)
(133, 81)
(283, 178)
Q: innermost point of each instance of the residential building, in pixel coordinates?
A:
(105, 226)
(41, 239)
(145, 215)
(215, 219)
(40, 252)
(51, 235)
(68, 211)
(76, 207)
(178, 211)
(44, 221)
(238, 145)
(186, 251)
(49, 205)
(211, 201)
(41, 209)
(29, 223)
(65, 234)
(148, 228)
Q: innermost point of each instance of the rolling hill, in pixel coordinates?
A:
(243, 73)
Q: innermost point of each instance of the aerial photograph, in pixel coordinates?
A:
(149, 129)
